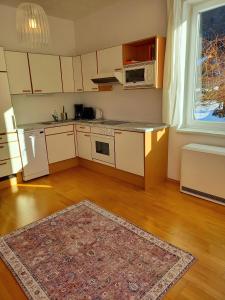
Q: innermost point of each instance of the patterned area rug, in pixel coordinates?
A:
(84, 252)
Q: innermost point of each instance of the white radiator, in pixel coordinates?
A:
(203, 172)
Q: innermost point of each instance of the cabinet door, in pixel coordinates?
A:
(18, 72)
(129, 151)
(84, 145)
(60, 146)
(45, 73)
(2, 60)
(78, 74)
(7, 119)
(89, 70)
(12, 166)
(110, 59)
(67, 74)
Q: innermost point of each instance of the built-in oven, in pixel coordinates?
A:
(103, 147)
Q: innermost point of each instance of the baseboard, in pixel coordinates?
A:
(11, 181)
(112, 172)
(63, 165)
(173, 180)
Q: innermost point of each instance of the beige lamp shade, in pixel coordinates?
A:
(32, 25)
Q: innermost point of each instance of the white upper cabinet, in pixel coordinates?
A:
(129, 151)
(110, 59)
(89, 70)
(45, 73)
(7, 119)
(18, 72)
(77, 68)
(2, 60)
(67, 74)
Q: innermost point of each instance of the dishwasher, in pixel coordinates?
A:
(33, 153)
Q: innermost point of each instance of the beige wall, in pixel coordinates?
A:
(30, 109)
(125, 21)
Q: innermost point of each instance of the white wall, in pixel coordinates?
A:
(30, 109)
(127, 20)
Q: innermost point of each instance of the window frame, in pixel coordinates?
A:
(192, 37)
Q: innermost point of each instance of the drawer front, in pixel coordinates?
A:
(83, 128)
(11, 166)
(9, 150)
(58, 129)
(8, 137)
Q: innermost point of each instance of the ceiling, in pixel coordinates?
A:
(66, 9)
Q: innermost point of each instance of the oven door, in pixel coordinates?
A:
(103, 148)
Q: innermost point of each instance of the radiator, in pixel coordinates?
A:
(203, 172)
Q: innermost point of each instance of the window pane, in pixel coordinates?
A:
(210, 90)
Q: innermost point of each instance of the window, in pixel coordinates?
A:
(205, 88)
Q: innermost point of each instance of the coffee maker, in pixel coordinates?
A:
(79, 110)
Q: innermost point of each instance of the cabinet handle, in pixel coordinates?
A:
(94, 88)
(118, 69)
(38, 90)
(118, 132)
(26, 91)
(1, 138)
(1, 164)
(1, 147)
(70, 134)
(82, 127)
(79, 90)
(87, 135)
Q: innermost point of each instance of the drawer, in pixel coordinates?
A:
(58, 129)
(83, 128)
(11, 166)
(8, 137)
(9, 150)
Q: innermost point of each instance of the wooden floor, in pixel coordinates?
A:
(192, 224)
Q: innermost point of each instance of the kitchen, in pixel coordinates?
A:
(109, 186)
(87, 135)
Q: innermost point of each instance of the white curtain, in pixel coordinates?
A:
(174, 70)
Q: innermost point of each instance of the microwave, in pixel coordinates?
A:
(139, 75)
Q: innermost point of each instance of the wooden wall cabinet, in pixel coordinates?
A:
(129, 151)
(18, 72)
(110, 59)
(78, 78)
(150, 49)
(67, 74)
(89, 70)
(45, 73)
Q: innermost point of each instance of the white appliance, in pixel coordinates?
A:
(98, 113)
(102, 144)
(34, 153)
(203, 172)
(139, 75)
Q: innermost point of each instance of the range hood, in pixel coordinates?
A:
(109, 78)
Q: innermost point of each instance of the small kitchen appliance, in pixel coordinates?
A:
(88, 113)
(79, 109)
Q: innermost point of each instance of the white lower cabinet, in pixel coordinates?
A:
(84, 145)
(60, 146)
(129, 151)
(10, 166)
